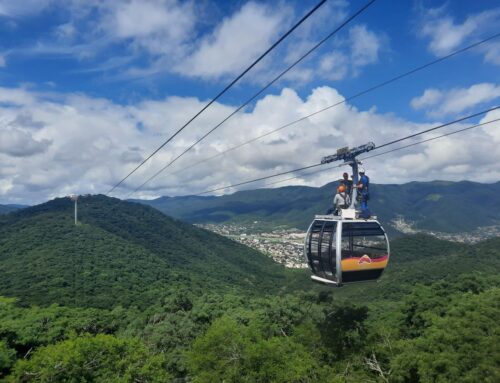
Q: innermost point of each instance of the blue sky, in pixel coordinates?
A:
(89, 88)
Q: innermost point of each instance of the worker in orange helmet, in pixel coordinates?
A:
(342, 200)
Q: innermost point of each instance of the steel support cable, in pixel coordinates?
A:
(347, 99)
(431, 139)
(437, 127)
(260, 179)
(248, 101)
(304, 18)
(386, 152)
(378, 147)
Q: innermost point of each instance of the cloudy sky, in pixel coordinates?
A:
(88, 89)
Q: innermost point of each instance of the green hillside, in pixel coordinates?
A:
(412, 326)
(120, 253)
(132, 295)
(424, 259)
(440, 206)
(4, 209)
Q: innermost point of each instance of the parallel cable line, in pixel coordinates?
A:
(431, 139)
(331, 34)
(259, 179)
(386, 152)
(222, 92)
(378, 147)
(347, 99)
(438, 127)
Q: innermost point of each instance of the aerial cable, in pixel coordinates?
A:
(347, 99)
(362, 159)
(378, 147)
(260, 179)
(437, 127)
(331, 34)
(386, 152)
(222, 91)
(431, 139)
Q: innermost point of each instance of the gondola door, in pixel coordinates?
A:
(320, 250)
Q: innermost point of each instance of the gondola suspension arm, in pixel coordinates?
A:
(349, 157)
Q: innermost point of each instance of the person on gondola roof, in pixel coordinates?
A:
(342, 200)
(347, 183)
(363, 192)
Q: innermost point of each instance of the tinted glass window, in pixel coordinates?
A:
(363, 238)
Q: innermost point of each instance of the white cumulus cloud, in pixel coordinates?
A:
(152, 37)
(79, 144)
(156, 26)
(438, 103)
(360, 48)
(236, 42)
(445, 34)
(19, 143)
(365, 46)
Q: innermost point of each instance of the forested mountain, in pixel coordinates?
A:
(440, 206)
(4, 209)
(120, 252)
(413, 326)
(131, 295)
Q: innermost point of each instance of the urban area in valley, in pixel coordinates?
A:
(480, 234)
(286, 246)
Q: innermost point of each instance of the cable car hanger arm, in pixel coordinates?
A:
(347, 154)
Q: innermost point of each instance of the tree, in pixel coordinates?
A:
(7, 357)
(100, 358)
(458, 344)
(234, 352)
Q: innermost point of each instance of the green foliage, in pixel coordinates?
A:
(100, 358)
(5, 209)
(343, 331)
(121, 254)
(425, 259)
(455, 341)
(26, 328)
(131, 295)
(234, 352)
(7, 357)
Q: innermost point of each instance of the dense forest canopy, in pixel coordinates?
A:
(130, 295)
(122, 253)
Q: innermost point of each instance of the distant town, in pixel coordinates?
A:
(480, 234)
(286, 246)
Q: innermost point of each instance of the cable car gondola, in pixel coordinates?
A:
(340, 250)
(346, 248)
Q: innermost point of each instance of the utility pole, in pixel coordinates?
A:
(74, 197)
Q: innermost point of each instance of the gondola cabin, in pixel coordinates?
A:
(346, 248)
(340, 250)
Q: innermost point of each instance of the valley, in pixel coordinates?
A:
(284, 246)
(444, 208)
(479, 234)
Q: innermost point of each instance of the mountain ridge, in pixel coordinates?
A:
(10, 207)
(428, 205)
(121, 253)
